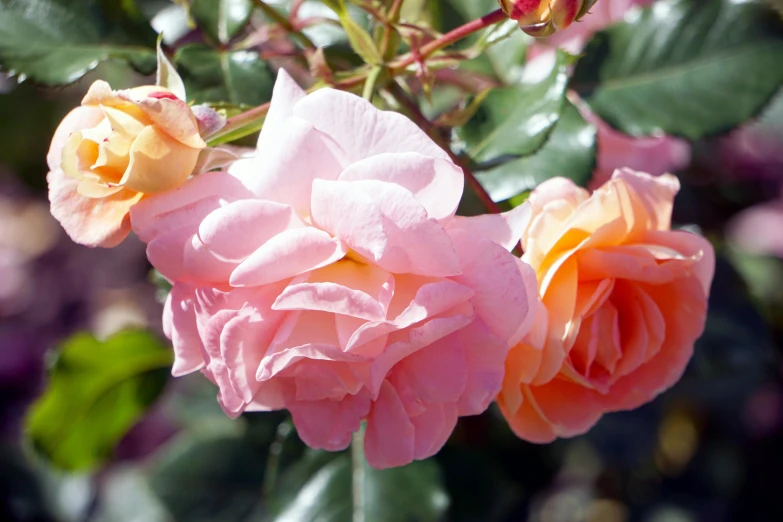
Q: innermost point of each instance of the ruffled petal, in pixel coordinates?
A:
(436, 183)
(360, 129)
(384, 223)
(288, 254)
(390, 437)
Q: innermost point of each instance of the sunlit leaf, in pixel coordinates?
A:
(685, 67)
(569, 152)
(212, 75)
(57, 41)
(96, 392)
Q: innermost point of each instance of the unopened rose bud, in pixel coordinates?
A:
(541, 18)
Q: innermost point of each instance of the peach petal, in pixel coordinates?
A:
(158, 162)
(93, 222)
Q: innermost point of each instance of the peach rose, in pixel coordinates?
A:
(108, 153)
(328, 275)
(623, 298)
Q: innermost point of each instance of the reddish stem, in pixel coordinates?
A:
(449, 38)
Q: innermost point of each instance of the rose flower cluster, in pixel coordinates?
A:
(328, 274)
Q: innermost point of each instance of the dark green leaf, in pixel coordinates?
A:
(685, 67)
(569, 152)
(211, 75)
(58, 41)
(96, 392)
(518, 119)
(210, 479)
(319, 487)
(221, 19)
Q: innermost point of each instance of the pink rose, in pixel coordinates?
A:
(329, 275)
(623, 299)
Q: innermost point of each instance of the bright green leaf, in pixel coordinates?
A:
(685, 67)
(57, 41)
(569, 152)
(360, 40)
(518, 119)
(211, 75)
(221, 19)
(319, 488)
(95, 394)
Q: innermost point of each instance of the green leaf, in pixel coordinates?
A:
(211, 75)
(569, 152)
(319, 488)
(685, 67)
(95, 394)
(518, 119)
(57, 41)
(221, 19)
(216, 478)
(360, 40)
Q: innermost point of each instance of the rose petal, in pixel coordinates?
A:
(389, 439)
(436, 183)
(234, 231)
(360, 129)
(93, 222)
(287, 254)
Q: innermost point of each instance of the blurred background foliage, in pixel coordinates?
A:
(112, 438)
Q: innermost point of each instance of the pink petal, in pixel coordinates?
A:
(289, 253)
(329, 424)
(148, 213)
(166, 254)
(360, 129)
(438, 372)
(179, 323)
(425, 301)
(384, 223)
(330, 297)
(504, 229)
(284, 169)
(432, 429)
(436, 183)
(284, 96)
(485, 356)
(234, 231)
(389, 439)
(501, 300)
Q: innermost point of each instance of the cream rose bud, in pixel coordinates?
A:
(116, 147)
(541, 18)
